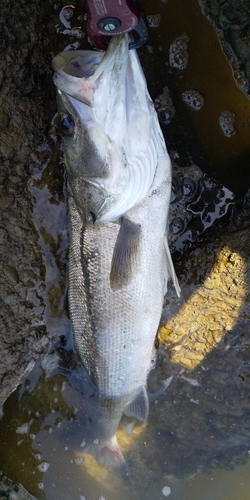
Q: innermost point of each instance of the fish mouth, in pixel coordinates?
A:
(84, 63)
(77, 71)
(77, 63)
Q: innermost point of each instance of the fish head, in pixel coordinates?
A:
(91, 120)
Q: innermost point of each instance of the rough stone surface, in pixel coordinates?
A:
(27, 104)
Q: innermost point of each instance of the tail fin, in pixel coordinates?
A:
(108, 453)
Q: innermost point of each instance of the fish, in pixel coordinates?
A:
(119, 186)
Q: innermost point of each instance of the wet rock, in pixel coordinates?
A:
(27, 104)
(197, 203)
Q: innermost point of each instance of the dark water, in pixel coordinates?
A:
(193, 443)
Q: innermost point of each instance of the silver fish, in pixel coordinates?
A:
(119, 184)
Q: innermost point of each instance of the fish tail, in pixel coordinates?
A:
(108, 453)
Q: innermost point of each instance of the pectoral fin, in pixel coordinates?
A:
(169, 268)
(126, 254)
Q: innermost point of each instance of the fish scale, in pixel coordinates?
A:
(111, 327)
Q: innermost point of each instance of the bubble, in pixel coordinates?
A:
(166, 491)
(226, 120)
(43, 466)
(78, 460)
(72, 46)
(129, 428)
(188, 186)
(178, 54)
(193, 99)
(68, 12)
(154, 20)
(38, 456)
(24, 429)
(164, 107)
(40, 486)
(177, 225)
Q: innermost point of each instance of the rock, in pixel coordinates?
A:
(27, 101)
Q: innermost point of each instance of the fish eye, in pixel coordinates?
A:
(65, 124)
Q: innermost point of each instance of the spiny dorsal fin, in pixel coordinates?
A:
(126, 254)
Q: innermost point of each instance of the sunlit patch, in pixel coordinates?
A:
(126, 438)
(209, 313)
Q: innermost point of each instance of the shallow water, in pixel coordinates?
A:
(197, 438)
(195, 442)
